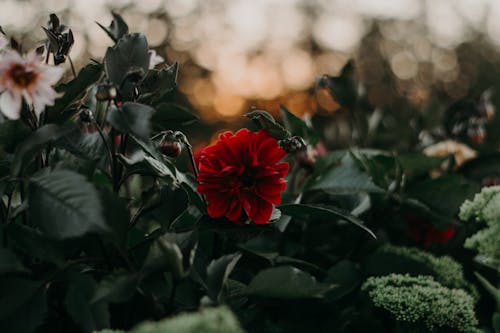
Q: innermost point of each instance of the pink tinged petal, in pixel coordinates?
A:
(50, 75)
(3, 42)
(154, 59)
(10, 104)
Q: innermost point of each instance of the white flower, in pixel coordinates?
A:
(154, 59)
(3, 42)
(29, 78)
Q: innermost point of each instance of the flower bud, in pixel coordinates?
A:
(105, 92)
(292, 144)
(170, 148)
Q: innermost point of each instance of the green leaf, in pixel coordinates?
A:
(117, 29)
(30, 147)
(10, 263)
(88, 316)
(417, 164)
(342, 88)
(12, 133)
(159, 82)
(32, 243)
(286, 282)
(117, 216)
(129, 53)
(347, 178)
(71, 91)
(483, 166)
(298, 127)
(115, 288)
(147, 166)
(494, 292)
(445, 194)
(496, 322)
(86, 145)
(65, 204)
(265, 121)
(132, 118)
(166, 254)
(345, 276)
(23, 305)
(170, 116)
(218, 272)
(308, 212)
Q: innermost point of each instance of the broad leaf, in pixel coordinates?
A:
(286, 282)
(132, 118)
(218, 272)
(347, 178)
(65, 204)
(308, 212)
(170, 116)
(88, 316)
(130, 52)
(345, 276)
(115, 288)
(298, 127)
(10, 263)
(71, 91)
(265, 121)
(117, 29)
(30, 147)
(12, 133)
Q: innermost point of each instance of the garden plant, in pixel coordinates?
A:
(112, 221)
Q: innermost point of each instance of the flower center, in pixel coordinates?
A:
(21, 76)
(247, 180)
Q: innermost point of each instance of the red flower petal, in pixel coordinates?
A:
(240, 173)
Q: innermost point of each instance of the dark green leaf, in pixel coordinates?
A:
(65, 204)
(88, 316)
(9, 263)
(115, 288)
(12, 133)
(481, 167)
(160, 82)
(308, 212)
(416, 164)
(23, 305)
(218, 272)
(343, 87)
(445, 194)
(131, 52)
(73, 90)
(32, 243)
(170, 116)
(286, 282)
(117, 29)
(265, 121)
(298, 127)
(28, 150)
(166, 253)
(496, 322)
(346, 278)
(132, 118)
(86, 145)
(147, 166)
(347, 178)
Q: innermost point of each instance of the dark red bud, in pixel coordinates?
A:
(170, 148)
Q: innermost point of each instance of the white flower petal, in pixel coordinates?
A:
(50, 75)
(10, 104)
(154, 59)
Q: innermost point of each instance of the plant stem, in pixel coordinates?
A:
(72, 66)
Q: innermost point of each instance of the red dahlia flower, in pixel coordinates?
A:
(241, 174)
(424, 232)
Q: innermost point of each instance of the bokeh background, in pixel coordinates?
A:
(410, 55)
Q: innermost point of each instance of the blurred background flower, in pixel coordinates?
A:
(237, 54)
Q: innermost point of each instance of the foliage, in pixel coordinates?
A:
(421, 300)
(103, 226)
